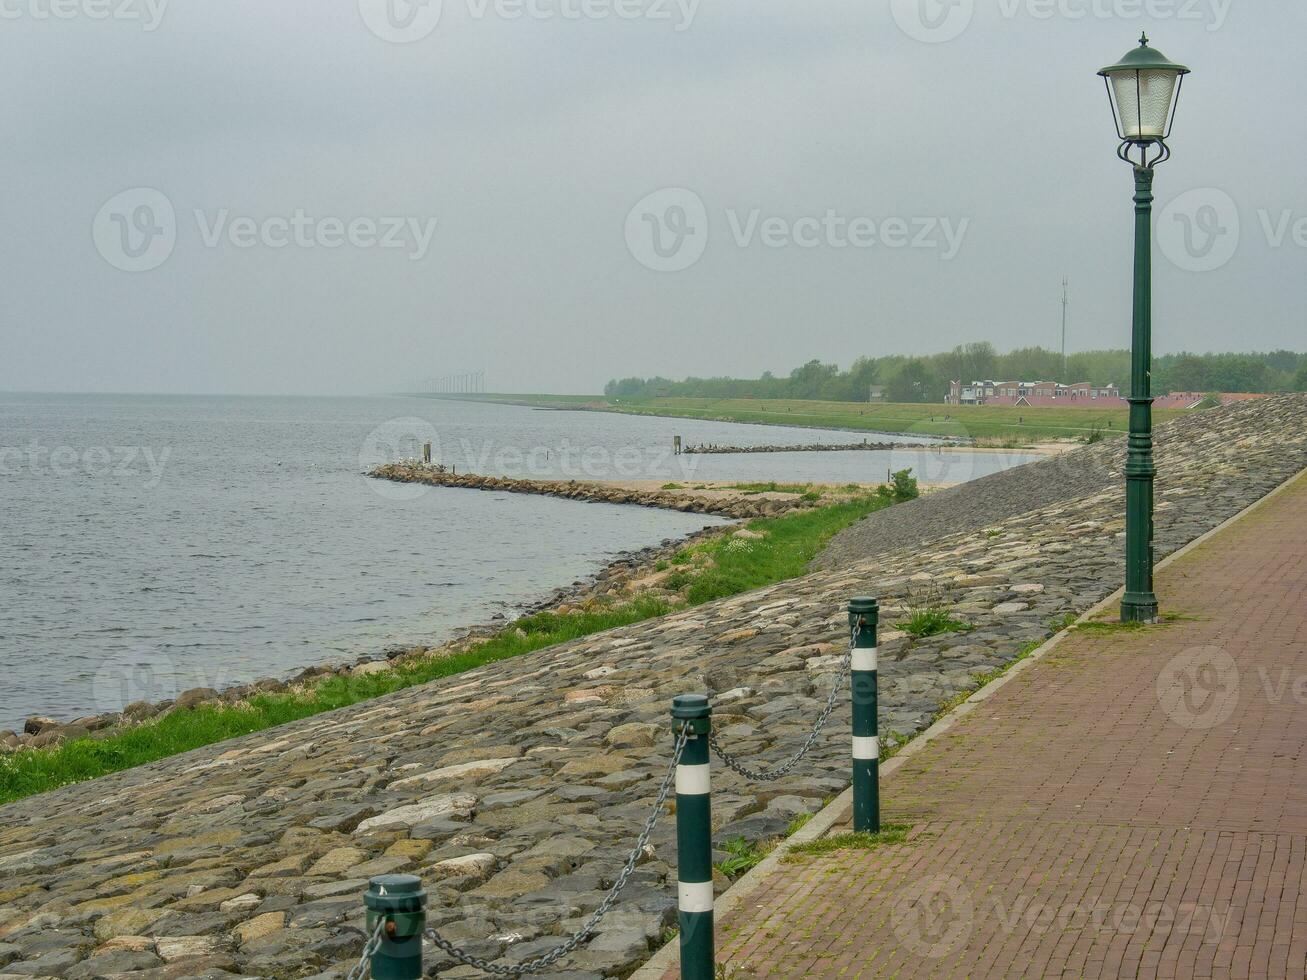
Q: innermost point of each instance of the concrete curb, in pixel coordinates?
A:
(839, 808)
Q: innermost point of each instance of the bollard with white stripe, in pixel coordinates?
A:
(864, 619)
(694, 838)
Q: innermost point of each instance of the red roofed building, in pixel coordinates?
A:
(1034, 394)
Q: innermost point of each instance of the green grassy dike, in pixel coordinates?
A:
(990, 424)
(718, 567)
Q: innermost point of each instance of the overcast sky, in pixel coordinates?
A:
(341, 196)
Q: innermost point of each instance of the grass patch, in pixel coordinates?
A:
(1108, 626)
(890, 833)
(932, 622)
(742, 858)
(717, 568)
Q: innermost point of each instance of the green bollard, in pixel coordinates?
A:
(401, 901)
(864, 618)
(694, 839)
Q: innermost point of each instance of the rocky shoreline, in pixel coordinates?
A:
(611, 581)
(515, 790)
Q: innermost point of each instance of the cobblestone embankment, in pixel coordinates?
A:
(515, 789)
(1073, 476)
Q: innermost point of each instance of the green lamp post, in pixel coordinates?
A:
(1144, 88)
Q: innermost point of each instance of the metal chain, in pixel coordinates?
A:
(785, 768)
(556, 954)
(363, 967)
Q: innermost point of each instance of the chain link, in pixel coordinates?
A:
(363, 967)
(587, 930)
(784, 769)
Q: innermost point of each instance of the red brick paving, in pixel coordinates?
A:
(1082, 824)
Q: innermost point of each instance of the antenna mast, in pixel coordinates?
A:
(1065, 301)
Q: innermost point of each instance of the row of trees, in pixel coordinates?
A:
(927, 378)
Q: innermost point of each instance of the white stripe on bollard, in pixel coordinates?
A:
(694, 896)
(864, 658)
(692, 780)
(866, 749)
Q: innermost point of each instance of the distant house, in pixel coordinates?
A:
(1032, 394)
(878, 393)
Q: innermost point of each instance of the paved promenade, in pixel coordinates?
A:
(1133, 804)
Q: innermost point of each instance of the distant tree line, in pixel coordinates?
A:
(927, 378)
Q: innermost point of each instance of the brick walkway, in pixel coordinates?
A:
(1134, 804)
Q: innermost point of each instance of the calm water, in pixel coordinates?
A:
(153, 544)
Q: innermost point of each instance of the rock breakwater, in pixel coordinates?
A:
(738, 507)
(516, 789)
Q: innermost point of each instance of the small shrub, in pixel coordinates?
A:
(932, 622)
(928, 616)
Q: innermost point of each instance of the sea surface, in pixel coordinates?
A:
(151, 544)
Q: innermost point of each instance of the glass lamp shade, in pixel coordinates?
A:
(1143, 102)
(1144, 87)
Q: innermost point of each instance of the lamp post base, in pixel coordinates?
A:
(1139, 608)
